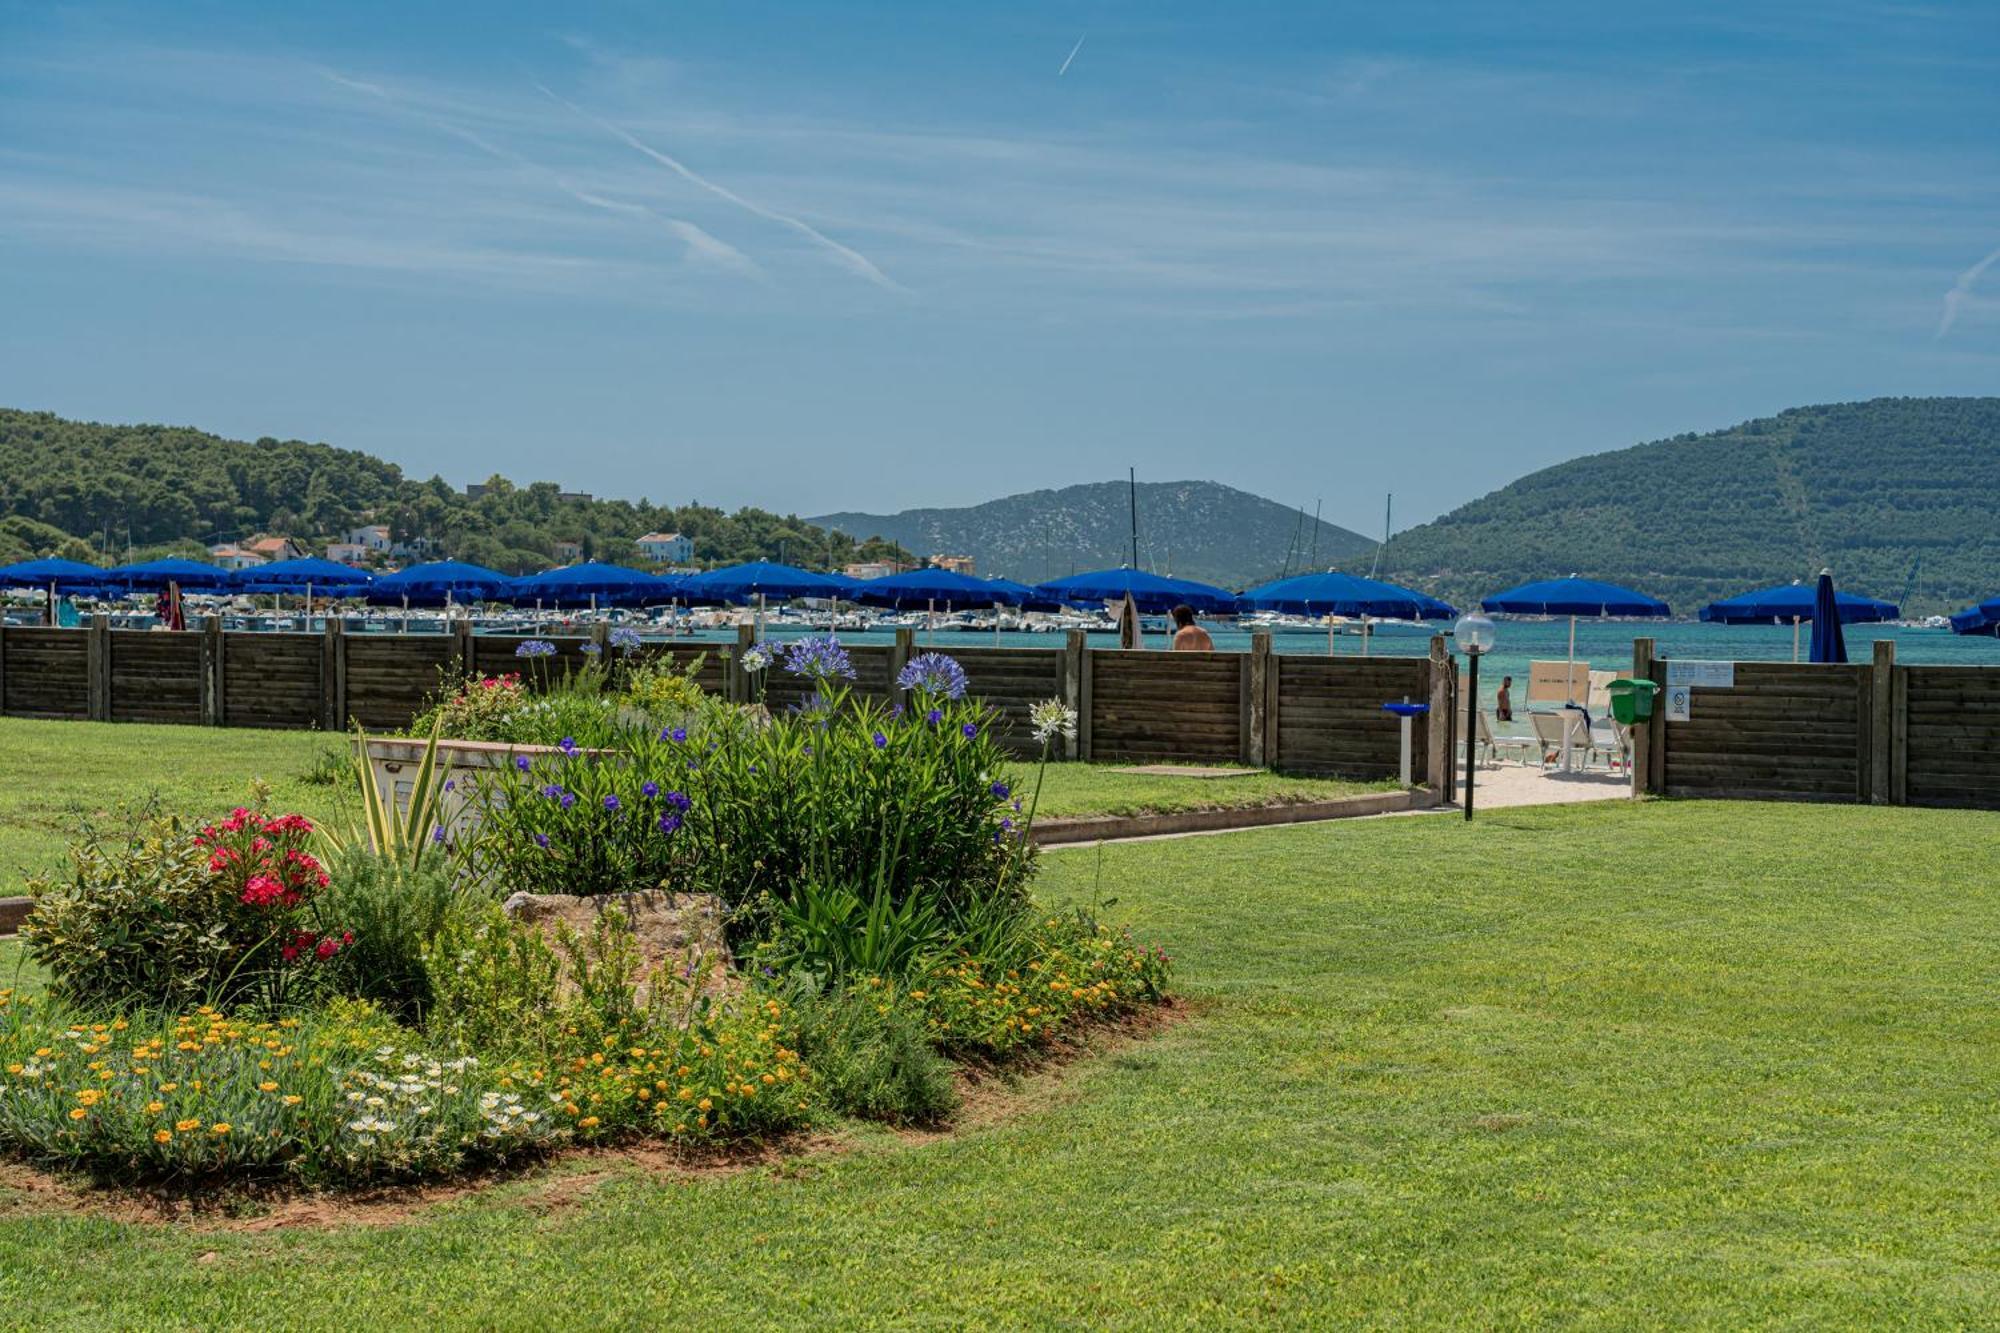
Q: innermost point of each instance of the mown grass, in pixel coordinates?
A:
(107, 772)
(1723, 1065)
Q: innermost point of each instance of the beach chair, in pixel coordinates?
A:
(1491, 744)
(1549, 733)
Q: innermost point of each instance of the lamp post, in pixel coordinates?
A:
(1476, 635)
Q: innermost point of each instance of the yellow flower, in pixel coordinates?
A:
(293, 1099)
(78, 1113)
(219, 1127)
(185, 1125)
(154, 1108)
(267, 1087)
(588, 1122)
(168, 1087)
(162, 1136)
(705, 1104)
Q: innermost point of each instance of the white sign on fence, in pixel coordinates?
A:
(1679, 697)
(1703, 675)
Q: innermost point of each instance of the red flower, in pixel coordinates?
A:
(264, 891)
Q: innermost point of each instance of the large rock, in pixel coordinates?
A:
(679, 935)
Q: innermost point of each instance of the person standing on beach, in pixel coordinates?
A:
(1503, 704)
(1188, 636)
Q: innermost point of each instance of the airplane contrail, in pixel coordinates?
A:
(1071, 56)
(700, 243)
(850, 259)
(1961, 291)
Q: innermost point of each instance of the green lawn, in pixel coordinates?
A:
(1610, 1065)
(106, 770)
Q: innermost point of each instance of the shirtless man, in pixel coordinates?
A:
(1188, 636)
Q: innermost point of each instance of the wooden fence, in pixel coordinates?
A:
(1872, 732)
(1302, 714)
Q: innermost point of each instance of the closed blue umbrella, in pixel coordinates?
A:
(739, 585)
(1152, 594)
(931, 588)
(440, 583)
(1828, 643)
(608, 584)
(153, 575)
(1794, 602)
(302, 575)
(1335, 594)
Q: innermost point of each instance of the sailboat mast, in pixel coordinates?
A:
(1132, 491)
(1313, 561)
(1388, 515)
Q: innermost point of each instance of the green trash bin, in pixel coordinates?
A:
(1632, 700)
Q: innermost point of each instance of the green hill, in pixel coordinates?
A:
(1897, 496)
(82, 489)
(1195, 529)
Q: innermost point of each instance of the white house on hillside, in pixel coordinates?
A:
(669, 548)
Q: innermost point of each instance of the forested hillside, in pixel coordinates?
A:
(1898, 496)
(94, 491)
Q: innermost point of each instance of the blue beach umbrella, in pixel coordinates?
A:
(1828, 643)
(1152, 594)
(1573, 597)
(153, 575)
(302, 576)
(64, 576)
(1025, 597)
(740, 585)
(1981, 619)
(931, 588)
(1794, 601)
(1335, 594)
(440, 583)
(608, 584)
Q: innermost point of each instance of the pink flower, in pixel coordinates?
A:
(264, 891)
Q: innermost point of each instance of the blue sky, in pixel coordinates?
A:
(822, 257)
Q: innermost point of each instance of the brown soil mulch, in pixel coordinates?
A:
(991, 1096)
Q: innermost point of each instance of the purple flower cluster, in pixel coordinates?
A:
(933, 673)
(625, 639)
(820, 656)
(535, 648)
(590, 649)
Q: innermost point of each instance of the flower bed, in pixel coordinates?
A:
(356, 1005)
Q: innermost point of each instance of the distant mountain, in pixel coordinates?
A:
(1195, 529)
(1896, 495)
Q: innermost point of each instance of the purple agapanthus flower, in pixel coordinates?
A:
(553, 791)
(521, 762)
(625, 639)
(541, 840)
(670, 822)
(678, 735)
(590, 649)
(1001, 791)
(933, 674)
(450, 783)
(820, 656)
(881, 741)
(678, 800)
(437, 834)
(970, 729)
(933, 717)
(649, 789)
(611, 803)
(534, 648)
(567, 745)
(568, 799)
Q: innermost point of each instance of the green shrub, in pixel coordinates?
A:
(872, 1060)
(831, 933)
(168, 916)
(394, 911)
(492, 982)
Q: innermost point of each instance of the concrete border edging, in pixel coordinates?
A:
(1102, 828)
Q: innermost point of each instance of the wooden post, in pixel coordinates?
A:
(1656, 730)
(1083, 743)
(3, 665)
(900, 653)
(213, 714)
(1642, 734)
(97, 669)
(463, 655)
(1439, 771)
(1070, 687)
(333, 675)
(1255, 684)
(1899, 736)
(1882, 722)
(738, 689)
(600, 634)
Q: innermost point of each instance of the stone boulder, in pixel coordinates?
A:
(677, 934)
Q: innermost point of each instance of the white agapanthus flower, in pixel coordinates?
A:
(1051, 718)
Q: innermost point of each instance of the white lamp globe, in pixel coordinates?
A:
(1475, 633)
